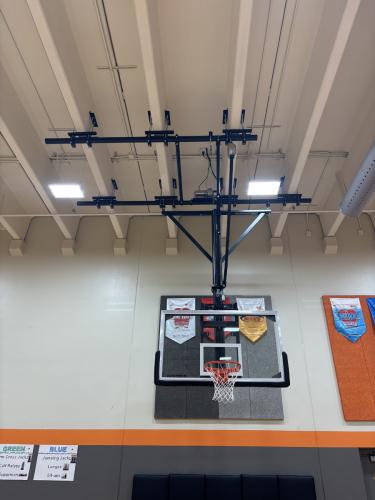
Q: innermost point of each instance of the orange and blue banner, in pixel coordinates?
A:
(348, 317)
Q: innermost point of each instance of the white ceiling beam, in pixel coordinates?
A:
(16, 227)
(299, 155)
(241, 29)
(53, 26)
(23, 140)
(150, 48)
(331, 223)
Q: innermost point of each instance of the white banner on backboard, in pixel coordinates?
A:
(251, 303)
(180, 328)
(56, 463)
(15, 461)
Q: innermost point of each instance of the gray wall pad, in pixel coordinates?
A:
(337, 472)
(369, 473)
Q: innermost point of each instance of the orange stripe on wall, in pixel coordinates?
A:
(155, 437)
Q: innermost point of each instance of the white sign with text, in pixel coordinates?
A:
(56, 463)
(15, 461)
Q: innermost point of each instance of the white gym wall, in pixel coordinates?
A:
(78, 335)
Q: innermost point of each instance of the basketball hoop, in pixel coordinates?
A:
(224, 374)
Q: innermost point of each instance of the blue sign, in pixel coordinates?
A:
(371, 306)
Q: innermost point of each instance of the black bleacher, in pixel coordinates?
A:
(209, 487)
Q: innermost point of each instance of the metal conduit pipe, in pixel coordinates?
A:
(362, 187)
(276, 155)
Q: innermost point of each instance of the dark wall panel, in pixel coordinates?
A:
(106, 473)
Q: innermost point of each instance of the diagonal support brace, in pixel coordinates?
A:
(189, 235)
(243, 235)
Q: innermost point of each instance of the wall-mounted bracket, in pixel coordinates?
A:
(81, 138)
(93, 119)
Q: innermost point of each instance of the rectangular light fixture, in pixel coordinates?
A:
(262, 188)
(66, 190)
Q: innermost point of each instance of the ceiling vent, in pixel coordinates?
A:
(362, 187)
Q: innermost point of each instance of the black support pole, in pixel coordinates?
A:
(229, 217)
(179, 172)
(217, 286)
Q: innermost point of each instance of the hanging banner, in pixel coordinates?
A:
(15, 461)
(371, 306)
(180, 328)
(56, 463)
(252, 327)
(348, 317)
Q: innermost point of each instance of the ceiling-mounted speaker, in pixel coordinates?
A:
(362, 187)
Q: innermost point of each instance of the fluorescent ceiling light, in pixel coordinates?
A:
(66, 190)
(260, 188)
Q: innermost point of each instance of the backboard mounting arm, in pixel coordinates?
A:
(227, 237)
(189, 235)
(245, 233)
(218, 203)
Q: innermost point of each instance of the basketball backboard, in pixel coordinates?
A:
(252, 338)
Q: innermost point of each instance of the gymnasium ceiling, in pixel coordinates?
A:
(303, 68)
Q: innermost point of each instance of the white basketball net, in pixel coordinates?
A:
(224, 376)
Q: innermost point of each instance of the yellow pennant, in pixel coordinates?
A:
(253, 327)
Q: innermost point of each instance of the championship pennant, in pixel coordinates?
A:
(180, 328)
(348, 317)
(252, 327)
